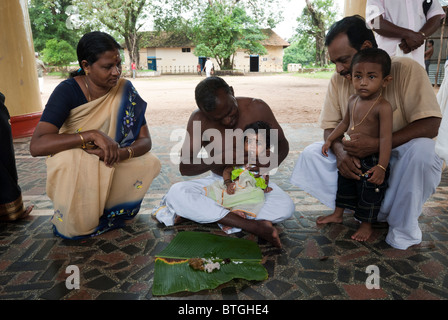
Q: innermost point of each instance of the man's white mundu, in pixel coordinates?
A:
(409, 186)
(187, 199)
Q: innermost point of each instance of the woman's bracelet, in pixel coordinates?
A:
(131, 152)
(83, 141)
(378, 165)
(227, 181)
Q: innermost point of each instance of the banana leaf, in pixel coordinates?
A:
(239, 258)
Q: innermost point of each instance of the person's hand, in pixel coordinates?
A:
(404, 46)
(267, 189)
(325, 148)
(360, 146)
(348, 166)
(413, 40)
(106, 148)
(376, 175)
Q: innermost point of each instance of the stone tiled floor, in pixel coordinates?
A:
(315, 263)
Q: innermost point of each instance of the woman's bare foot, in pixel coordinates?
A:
(364, 232)
(27, 211)
(16, 216)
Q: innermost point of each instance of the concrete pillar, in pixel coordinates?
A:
(18, 75)
(352, 7)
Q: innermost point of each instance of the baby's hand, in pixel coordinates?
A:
(231, 188)
(377, 175)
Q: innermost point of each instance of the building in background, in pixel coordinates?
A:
(167, 53)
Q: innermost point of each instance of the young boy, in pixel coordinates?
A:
(369, 114)
(243, 188)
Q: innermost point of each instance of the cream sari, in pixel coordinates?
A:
(90, 198)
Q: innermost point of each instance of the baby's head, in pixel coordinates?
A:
(257, 137)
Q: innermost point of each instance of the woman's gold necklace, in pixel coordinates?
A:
(88, 89)
(353, 111)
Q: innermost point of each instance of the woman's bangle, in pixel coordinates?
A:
(83, 141)
(227, 181)
(378, 165)
(131, 152)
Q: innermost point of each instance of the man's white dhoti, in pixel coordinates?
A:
(188, 199)
(414, 176)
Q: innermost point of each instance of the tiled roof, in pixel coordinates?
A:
(273, 39)
(162, 39)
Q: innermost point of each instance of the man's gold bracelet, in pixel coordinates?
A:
(378, 165)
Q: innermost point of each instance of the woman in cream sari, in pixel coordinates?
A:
(94, 131)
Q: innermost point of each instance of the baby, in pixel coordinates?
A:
(242, 189)
(254, 144)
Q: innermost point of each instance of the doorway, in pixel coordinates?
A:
(201, 62)
(152, 63)
(254, 63)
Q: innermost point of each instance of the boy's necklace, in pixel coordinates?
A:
(353, 111)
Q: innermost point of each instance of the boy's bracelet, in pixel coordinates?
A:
(378, 165)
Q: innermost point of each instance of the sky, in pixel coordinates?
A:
(292, 10)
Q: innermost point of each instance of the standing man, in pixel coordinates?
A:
(133, 69)
(415, 168)
(402, 26)
(208, 67)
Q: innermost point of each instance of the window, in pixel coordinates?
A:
(186, 49)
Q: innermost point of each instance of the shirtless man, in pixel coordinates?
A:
(220, 113)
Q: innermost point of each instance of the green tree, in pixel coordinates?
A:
(218, 28)
(299, 51)
(227, 30)
(58, 53)
(49, 20)
(316, 18)
(124, 17)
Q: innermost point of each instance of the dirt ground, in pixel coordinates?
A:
(170, 98)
